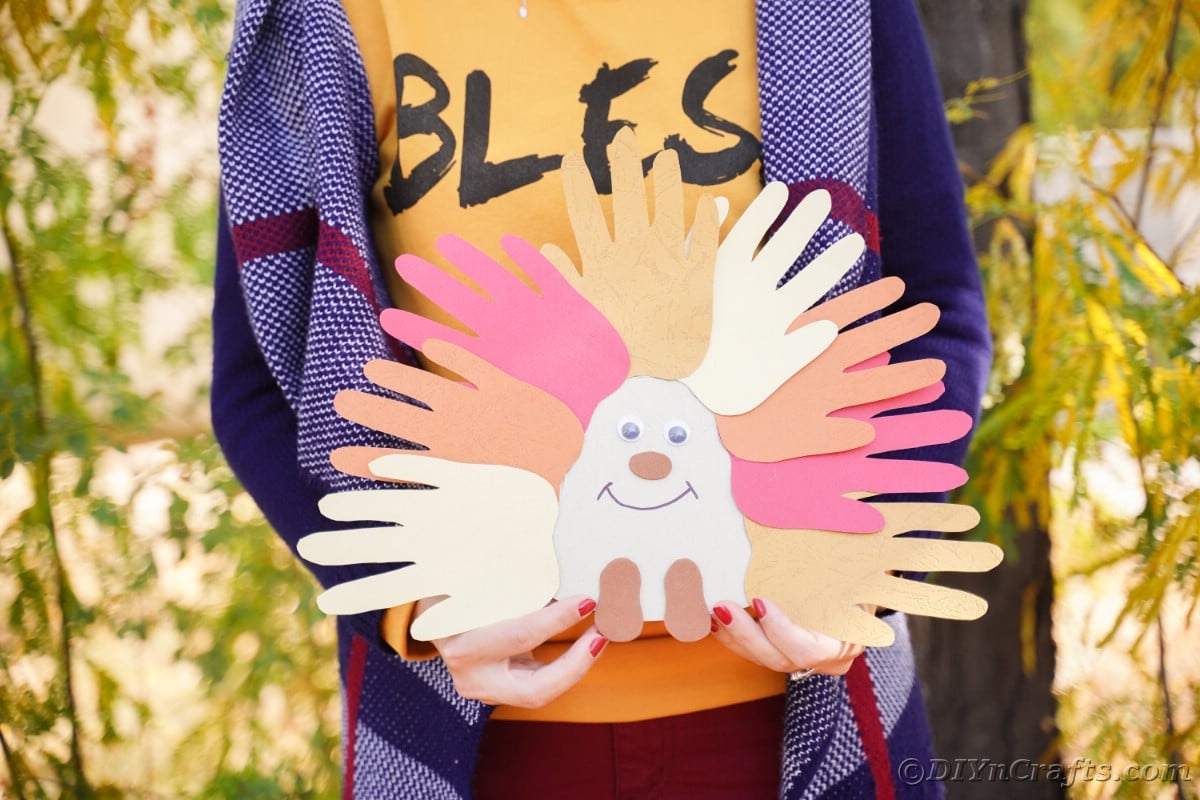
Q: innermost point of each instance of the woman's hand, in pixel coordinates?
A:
(775, 642)
(495, 663)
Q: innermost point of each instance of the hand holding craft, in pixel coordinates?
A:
(495, 663)
(771, 639)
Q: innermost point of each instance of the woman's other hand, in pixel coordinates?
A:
(495, 663)
(777, 643)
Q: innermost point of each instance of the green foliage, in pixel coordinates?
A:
(1096, 334)
(156, 637)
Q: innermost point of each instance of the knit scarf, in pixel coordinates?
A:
(298, 159)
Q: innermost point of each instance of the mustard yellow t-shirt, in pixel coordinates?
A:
(489, 100)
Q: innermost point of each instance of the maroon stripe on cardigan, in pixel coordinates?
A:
(338, 252)
(297, 230)
(354, 682)
(270, 236)
(870, 727)
(847, 207)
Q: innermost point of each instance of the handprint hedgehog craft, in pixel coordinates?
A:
(666, 426)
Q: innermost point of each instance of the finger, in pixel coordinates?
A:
(850, 624)
(536, 687)
(427, 470)
(460, 301)
(414, 508)
(630, 216)
(885, 333)
(386, 590)
(722, 635)
(789, 241)
(894, 380)
(383, 545)
(939, 555)
(800, 646)
(918, 397)
(722, 209)
(357, 460)
(550, 282)
(668, 198)
(942, 517)
(816, 279)
(562, 262)
(493, 278)
(888, 475)
(463, 613)
(906, 431)
(742, 241)
(583, 208)
(415, 330)
(800, 348)
(743, 629)
(701, 245)
(915, 597)
(855, 304)
(358, 505)
(400, 378)
(774, 442)
(478, 371)
(394, 417)
(516, 636)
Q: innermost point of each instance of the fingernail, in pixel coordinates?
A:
(587, 607)
(760, 608)
(597, 645)
(723, 614)
(713, 626)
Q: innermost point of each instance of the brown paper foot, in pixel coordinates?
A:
(619, 607)
(687, 615)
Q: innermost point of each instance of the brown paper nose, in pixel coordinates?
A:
(650, 465)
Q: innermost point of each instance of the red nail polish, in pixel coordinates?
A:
(760, 608)
(713, 626)
(587, 607)
(597, 645)
(723, 614)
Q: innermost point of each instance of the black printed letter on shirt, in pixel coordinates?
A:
(402, 192)
(482, 180)
(598, 129)
(708, 169)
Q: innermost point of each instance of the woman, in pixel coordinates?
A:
(354, 132)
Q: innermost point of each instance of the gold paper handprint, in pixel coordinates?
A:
(652, 279)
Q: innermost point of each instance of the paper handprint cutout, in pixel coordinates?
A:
(662, 427)
(502, 516)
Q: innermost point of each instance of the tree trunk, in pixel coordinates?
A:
(989, 683)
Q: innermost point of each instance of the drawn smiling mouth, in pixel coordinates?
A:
(607, 490)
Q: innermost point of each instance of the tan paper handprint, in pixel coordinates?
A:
(821, 577)
(651, 279)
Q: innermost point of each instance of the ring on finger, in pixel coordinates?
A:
(802, 674)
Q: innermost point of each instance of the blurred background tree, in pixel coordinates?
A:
(1081, 154)
(156, 640)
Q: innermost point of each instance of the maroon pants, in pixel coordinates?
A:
(731, 752)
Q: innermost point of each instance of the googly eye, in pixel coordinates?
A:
(629, 428)
(677, 432)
